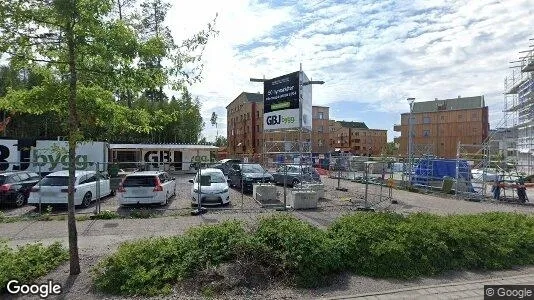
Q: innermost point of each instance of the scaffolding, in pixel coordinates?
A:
(519, 111)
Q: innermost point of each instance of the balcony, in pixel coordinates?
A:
(397, 128)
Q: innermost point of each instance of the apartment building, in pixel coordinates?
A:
(438, 126)
(356, 138)
(245, 130)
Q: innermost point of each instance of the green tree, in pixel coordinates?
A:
(221, 141)
(72, 42)
(213, 121)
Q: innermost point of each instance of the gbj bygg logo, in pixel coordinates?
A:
(274, 120)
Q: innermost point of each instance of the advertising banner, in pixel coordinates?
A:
(281, 106)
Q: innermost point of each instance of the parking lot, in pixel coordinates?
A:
(378, 198)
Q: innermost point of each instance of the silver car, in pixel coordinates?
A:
(295, 174)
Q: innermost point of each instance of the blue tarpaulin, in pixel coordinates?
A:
(433, 169)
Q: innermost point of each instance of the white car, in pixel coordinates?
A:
(214, 192)
(147, 187)
(53, 188)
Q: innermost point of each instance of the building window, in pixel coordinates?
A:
(460, 117)
(320, 143)
(426, 132)
(474, 116)
(248, 116)
(257, 128)
(320, 129)
(258, 114)
(442, 118)
(426, 120)
(320, 116)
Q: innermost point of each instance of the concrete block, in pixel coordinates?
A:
(264, 191)
(303, 199)
(317, 187)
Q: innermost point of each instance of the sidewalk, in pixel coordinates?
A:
(458, 290)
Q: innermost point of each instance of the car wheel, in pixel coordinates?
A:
(20, 199)
(166, 199)
(86, 201)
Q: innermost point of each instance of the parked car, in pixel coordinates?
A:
(147, 187)
(53, 188)
(295, 174)
(214, 193)
(248, 174)
(15, 187)
(226, 164)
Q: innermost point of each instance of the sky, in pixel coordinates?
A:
(372, 55)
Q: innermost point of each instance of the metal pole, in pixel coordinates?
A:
(97, 209)
(410, 141)
(40, 191)
(366, 184)
(285, 184)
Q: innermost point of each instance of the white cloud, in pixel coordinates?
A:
(367, 52)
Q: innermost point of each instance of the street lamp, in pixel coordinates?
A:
(410, 139)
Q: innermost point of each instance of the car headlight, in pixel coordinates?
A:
(225, 190)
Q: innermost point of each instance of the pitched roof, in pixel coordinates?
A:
(353, 124)
(449, 104)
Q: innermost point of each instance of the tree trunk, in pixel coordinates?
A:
(73, 137)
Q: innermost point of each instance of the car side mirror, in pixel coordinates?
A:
(190, 180)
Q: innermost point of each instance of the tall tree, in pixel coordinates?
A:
(214, 123)
(71, 39)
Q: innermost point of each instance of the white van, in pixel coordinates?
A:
(53, 188)
(146, 187)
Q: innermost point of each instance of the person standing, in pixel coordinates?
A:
(496, 189)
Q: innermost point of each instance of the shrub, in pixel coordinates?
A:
(293, 248)
(106, 215)
(151, 266)
(371, 244)
(28, 262)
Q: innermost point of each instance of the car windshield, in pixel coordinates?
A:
(252, 169)
(55, 181)
(214, 177)
(141, 181)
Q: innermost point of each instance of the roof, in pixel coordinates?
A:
(253, 97)
(449, 104)
(163, 146)
(14, 172)
(353, 124)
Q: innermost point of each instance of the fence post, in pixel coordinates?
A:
(40, 191)
(97, 209)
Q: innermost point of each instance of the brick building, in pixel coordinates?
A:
(357, 138)
(245, 128)
(439, 125)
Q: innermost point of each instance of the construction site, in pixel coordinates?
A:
(447, 146)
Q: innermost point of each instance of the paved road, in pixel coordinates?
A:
(457, 290)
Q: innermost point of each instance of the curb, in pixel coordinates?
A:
(423, 287)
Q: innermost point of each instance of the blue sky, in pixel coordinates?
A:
(372, 55)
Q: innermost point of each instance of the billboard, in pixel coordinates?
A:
(49, 156)
(287, 102)
(306, 102)
(281, 102)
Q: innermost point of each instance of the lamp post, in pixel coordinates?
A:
(410, 140)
